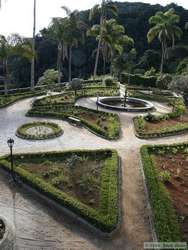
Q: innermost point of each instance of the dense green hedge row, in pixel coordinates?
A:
(6, 100)
(112, 132)
(137, 79)
(165, 219)
(151, 97)
(22, 131)
(178, 110)
(107, 221)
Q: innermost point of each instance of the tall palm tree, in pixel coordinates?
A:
(8, 48)
(174, 29)
(112, 40)
(58, 32)
(102, 10)
(74, 30)
(166, 29)
(33, 47)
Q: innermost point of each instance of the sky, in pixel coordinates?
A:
(16, 16)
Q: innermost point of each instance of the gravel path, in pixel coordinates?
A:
(42, 227)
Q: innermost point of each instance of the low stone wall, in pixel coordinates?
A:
(7, 243)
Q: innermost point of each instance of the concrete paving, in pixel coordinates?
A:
(39, 226)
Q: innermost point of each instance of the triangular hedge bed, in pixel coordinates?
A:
(103, 180)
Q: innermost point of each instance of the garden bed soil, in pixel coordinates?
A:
(177, 165)
(72, 181)
(157, 126)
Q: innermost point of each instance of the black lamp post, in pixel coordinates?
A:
(97, 101)
(10, 143)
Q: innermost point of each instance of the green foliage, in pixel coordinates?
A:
(76, 84)
(105, 218)
(50, 76)
(150, 72)
(178, 111)
(164, 176)
(165, 219)
(22, 131)
(109, 81)
(163, 81)
(183, 67)
(148, 81)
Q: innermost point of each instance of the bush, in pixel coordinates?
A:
(163, 81)
(109, 81)
(164, 176)
(50, 77)
(76, 84)
(165, 219)
(136, 79)
(182, 67)
(150, 72)
(22, 131)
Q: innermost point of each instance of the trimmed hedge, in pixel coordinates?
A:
(165, 219)
(178, 111)
(22, 131)
(105, 219)
(137, 79)
(113, 131)
(6, 100)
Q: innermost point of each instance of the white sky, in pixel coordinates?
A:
(16, 15)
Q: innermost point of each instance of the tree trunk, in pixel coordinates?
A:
(162, 59)
(59, 62)
(33, 48)
(70, 63)
(104, 65)
(6, 78)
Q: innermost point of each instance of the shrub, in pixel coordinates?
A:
(182, 67)
(50, 76)
(150, 72)
(164, 176)
(76, 84)
(109, 81)
(163, 81)
(165, 219)
(136, 79)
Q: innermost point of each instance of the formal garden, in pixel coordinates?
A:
(98, 154)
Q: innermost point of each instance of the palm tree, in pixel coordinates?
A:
(174, 29)
(165, 28)
(58, 30)
(102, 9)
(33, 47)
(112, 40)
(8, 48)
(74, 30)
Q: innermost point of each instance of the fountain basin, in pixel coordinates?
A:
(132, 104)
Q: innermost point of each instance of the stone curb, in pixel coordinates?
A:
(7, 243)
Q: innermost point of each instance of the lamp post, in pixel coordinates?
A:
(10, 143)
(97, 101)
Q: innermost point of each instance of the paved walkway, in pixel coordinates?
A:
(41, 227)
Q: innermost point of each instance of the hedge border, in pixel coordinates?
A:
(21, 97)
(94, 129)
(21, 133)
(178, 110)
(164, 216)
(107, 223)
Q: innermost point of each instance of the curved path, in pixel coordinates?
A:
(42, 227)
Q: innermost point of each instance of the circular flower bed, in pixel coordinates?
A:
(39, 131)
